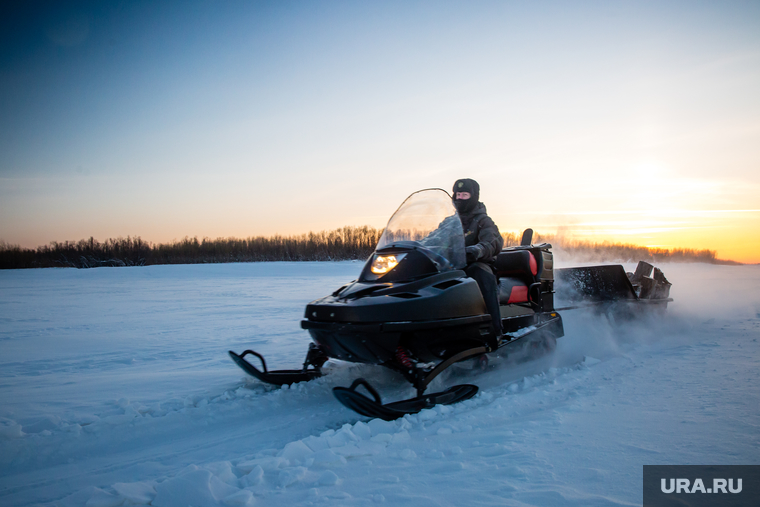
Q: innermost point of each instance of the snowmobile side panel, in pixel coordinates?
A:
(357, 347)
(433, 298)
(525, 325)
(434, 317)
(436, 324)
(396, 326)
(377, 343)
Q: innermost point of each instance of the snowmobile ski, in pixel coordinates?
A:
(363, 405)
(280, 377)
(420, 378)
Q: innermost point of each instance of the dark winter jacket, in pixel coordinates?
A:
(481, 236)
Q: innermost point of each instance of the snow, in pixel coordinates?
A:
(116, 389)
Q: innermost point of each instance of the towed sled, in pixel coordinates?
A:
(414, 310)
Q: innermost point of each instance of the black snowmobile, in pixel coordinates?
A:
(414, 310)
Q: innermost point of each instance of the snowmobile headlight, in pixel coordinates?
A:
(384, 263)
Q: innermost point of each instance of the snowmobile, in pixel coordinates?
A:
(413, 310)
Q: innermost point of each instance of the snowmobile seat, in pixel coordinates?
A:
(520, 264)
(517, 270)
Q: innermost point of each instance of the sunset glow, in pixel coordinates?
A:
(618, 122)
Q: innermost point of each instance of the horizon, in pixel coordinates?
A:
(631, 123)
(560, 243)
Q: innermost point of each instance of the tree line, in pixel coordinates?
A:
(346, 243)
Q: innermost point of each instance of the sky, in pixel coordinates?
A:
(635, 122)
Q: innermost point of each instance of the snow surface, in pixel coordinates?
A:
(116, 389)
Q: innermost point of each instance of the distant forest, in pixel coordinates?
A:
(346, 243)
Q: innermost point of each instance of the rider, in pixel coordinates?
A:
(482, 244)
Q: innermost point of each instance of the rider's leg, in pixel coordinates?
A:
(482, 274)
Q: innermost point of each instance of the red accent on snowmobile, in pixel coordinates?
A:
(519, 294)
(516, 262)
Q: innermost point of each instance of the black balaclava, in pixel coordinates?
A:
(466, 185)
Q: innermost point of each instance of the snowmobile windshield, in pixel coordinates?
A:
(428, 219)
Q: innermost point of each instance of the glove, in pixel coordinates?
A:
(473, 253)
